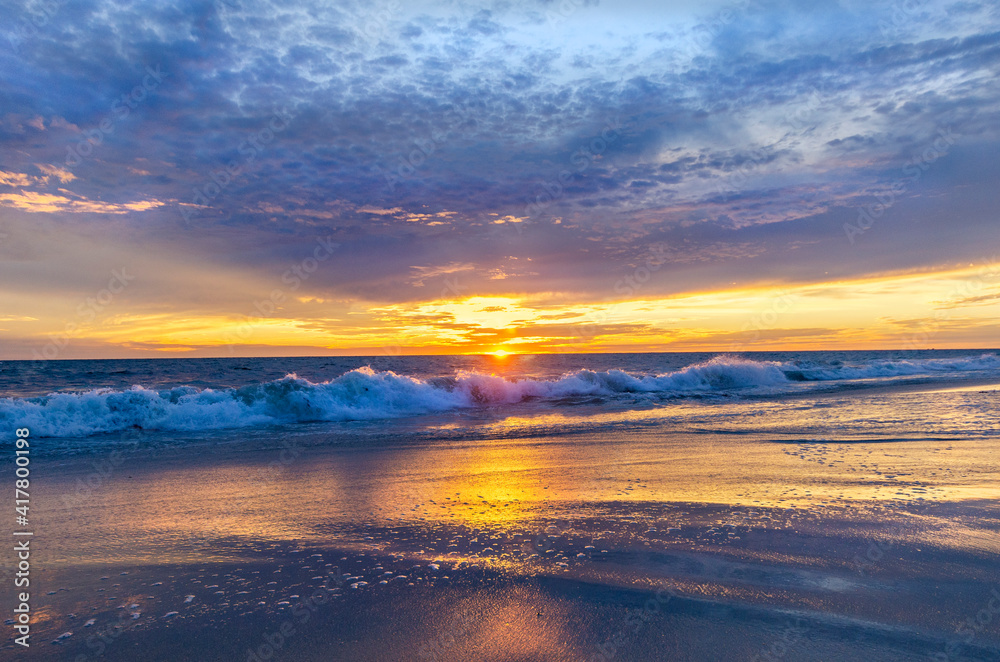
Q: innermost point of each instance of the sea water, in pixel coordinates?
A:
(91, 399)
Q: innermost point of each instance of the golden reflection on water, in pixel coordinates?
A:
(326, 494)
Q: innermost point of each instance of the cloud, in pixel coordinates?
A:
(425, 273)
(35, 202)
(50, 172)
(15, 179)
(55, 172)
(971, 301)
(446, 139)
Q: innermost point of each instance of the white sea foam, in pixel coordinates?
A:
(365, 394)
(826, 371)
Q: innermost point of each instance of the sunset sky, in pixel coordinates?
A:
(247, 178)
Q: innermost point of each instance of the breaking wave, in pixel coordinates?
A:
(366, 394)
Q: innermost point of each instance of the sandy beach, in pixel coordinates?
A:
(650, 543)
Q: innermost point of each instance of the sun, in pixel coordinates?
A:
(500, 353)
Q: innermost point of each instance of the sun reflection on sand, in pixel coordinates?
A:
(519, 624)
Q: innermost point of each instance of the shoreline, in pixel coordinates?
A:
(791, 529)
(576, 530)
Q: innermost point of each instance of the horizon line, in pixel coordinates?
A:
(508, 354)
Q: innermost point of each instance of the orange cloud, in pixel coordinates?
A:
(35, 202)
(22, 180)
(15, 179)
(50, 171)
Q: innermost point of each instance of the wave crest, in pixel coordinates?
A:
(364, 394)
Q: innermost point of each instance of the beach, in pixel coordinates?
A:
(468, 331)
(500, 331)
(578, 534)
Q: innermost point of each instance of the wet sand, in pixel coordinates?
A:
(651, 544)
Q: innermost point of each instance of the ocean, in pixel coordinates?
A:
(578, 507)
(90, 398)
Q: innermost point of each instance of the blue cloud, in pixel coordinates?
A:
(762, 131)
